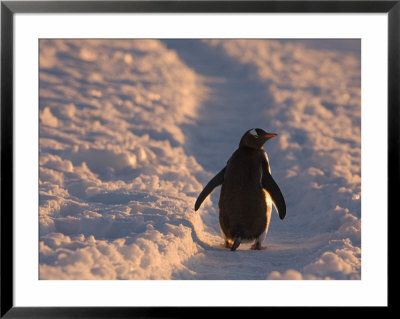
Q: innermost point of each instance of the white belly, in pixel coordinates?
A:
(268, 201)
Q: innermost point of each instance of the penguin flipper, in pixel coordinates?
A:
(273, 189)
(215, 181)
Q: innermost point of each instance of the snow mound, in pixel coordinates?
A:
(114, 178)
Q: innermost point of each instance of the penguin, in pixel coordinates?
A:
(248, 192)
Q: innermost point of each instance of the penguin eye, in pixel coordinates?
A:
(260, 132)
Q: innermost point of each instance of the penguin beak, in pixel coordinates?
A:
(270, 135)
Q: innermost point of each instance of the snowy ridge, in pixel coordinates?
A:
(112, 171)
(131, 130)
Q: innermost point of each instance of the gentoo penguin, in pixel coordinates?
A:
(247, 193)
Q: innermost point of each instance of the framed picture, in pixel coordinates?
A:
(161, 156)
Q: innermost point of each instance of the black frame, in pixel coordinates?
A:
(8, 8)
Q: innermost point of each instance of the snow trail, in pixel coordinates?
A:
(258, 104)
(131, 130)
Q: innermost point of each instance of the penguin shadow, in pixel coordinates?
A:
(196, 237)
(210, 240)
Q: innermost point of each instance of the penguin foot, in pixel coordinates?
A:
(236, 243)
(226, 244)
(258, 246)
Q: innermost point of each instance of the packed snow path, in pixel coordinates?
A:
(132, 130)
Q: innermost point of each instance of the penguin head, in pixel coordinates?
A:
(255, 138)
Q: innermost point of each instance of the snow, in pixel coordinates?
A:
(132, 130)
